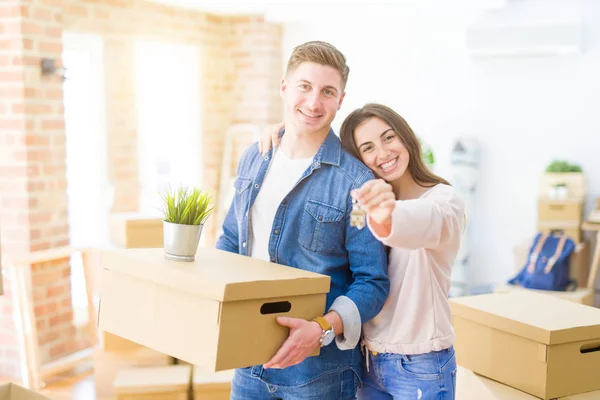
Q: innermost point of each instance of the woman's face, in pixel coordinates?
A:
(381, 149)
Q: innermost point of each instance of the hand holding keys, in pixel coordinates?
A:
(357, 216)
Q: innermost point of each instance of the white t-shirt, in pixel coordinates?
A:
(280, 179)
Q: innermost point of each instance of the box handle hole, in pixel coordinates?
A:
(557, 207)
(590, 348)
(276, 307)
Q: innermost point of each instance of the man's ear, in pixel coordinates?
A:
(341, 100)
(282, 87)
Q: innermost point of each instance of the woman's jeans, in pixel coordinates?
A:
(430, 376)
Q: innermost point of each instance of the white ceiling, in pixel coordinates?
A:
(310, 10)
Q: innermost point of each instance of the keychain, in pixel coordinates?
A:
(357, 216)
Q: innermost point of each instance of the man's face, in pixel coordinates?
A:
(312, 95)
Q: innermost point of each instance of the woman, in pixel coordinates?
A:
(409, 350)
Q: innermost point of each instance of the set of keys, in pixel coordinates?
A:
(357, 216)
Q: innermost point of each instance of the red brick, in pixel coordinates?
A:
(41, 324)
(53, 32)
(30, 92)
(40, 246)
(6, 76)
(53, 94)
(77, 11)
(50, 47)
(58, 350)
(42, 14)
(53, 125)
(28, 44)
(32, 28)
(55, 3)
(29, 61)
(37, 140)
(47, 309)
(7, 11)
(55, 291)
(11, 91)
(47, 337)
(63, 318)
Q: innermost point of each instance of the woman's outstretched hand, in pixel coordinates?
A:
(377, 199)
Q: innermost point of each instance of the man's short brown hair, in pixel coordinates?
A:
(321, 53)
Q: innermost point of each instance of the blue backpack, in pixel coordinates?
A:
(547, 267)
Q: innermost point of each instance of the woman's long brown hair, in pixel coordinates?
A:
(416, 167)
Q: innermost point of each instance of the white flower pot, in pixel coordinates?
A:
(181, 241)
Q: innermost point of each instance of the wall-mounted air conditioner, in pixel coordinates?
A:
(525, 39)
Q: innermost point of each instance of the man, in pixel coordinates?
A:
(292, 207)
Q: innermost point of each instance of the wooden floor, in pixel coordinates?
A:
(76, 386)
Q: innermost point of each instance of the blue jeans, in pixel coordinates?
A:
(336, 385)
(430, 376)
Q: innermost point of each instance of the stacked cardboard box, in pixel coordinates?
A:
(159, 383)
(472, 386)
(538, 344)
(114, 353)
(11, 391)
(136, 230)
(211, 385)
(130, 231)
(108, 364)
(563, 214)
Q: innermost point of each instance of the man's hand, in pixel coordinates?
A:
(302, 341)
(377, 199)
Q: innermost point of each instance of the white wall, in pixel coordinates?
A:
(525, 111)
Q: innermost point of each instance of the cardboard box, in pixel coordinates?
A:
(575, 182)
(156, 383)
(536, 343)
(581, 295)
(11, 391)
(560, 210)
(116, 344)
(107, 365)
(212, 385)
(217, 312)
(136, 230)
(571, 229)
(132, 230)
(471, 386)
(579, 264)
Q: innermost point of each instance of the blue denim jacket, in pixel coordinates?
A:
(312, 231)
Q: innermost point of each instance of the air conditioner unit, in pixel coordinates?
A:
(527, 39)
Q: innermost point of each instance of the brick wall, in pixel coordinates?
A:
(33, 206)
(241, 71)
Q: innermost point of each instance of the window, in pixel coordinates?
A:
(168, 109)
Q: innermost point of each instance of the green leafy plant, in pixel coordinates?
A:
(562, 166)
(427, 153)
(186, 207)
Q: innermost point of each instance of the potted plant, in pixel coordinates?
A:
(427, 154)
(185, 212)
(561, 166)
(558, 191)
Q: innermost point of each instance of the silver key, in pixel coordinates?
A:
(357, 216)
